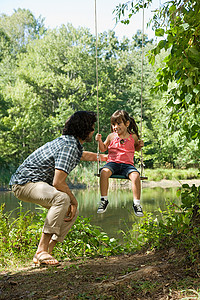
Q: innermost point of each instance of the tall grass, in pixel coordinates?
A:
(172, 174)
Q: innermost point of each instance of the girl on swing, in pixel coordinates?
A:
(121, 144)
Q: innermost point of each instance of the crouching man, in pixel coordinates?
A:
(41, 179)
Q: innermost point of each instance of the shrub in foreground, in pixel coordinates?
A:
(177, 227)
(19, 238)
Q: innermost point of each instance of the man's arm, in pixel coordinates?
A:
(91, 156)
(60, 184)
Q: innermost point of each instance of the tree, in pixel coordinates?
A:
(56, 76)
(16, 31)
(21, 27)
(178, 22)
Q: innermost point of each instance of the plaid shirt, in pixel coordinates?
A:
(63, 153)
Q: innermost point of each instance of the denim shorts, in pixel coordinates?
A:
(120, 168)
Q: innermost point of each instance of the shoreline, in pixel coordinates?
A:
(164, 183)
(170, 183)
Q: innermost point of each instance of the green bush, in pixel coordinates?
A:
(176, 227)
(19, 239)
(86, 240)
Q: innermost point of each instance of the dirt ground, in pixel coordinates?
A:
(150, 275)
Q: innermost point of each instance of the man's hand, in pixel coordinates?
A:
(71, 213)
(91, 156)
(103, 157)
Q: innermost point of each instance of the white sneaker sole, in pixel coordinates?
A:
(101, 212)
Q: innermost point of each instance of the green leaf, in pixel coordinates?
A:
(178, 101)
(159, 32)
(186, 186)
(188, 81)
(195, 90)
(178, 193)
(172, 8)
(188, 98)
(185, 26)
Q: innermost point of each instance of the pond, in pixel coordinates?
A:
(119, 215)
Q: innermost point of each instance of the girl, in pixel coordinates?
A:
(121, 145)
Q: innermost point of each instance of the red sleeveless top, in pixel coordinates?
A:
(121, 150)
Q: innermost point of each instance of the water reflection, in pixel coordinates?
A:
(119, 215)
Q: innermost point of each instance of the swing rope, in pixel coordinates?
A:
(97, 83)
(97, 86)
(141, 154)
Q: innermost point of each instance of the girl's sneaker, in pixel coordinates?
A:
(102, 206)
(138, 210)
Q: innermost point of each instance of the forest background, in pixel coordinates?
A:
(48, 74)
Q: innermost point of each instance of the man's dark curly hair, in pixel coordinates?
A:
(80, 124)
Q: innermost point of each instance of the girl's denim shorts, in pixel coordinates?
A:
(120, 168)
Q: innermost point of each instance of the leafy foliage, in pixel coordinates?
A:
(19, 238)
(86, 240)
(170, 228)
(20, 28)
(181, 65)
(177, 23)
(177, 227)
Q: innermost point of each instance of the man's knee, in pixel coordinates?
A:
(61, 199)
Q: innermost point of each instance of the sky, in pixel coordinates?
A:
(81, 13)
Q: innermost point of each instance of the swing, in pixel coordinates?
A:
(141, 159)
(122, 177)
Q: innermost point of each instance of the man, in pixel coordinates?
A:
(41, 179)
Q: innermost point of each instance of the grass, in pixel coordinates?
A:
(190, 294)
(172, 174)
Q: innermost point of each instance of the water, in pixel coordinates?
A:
(119, 215)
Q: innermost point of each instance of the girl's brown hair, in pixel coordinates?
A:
(123, 116)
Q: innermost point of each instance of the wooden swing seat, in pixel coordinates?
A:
(122, 177)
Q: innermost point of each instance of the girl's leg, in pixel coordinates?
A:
(136, 184)
(104, 183)
(136, 188)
